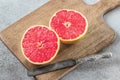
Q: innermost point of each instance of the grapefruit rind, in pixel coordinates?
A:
(45, 62)
(71, 41)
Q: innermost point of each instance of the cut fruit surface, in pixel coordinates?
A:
(40, 45)
(70, 25)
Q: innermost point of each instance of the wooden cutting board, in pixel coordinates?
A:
(99, 34)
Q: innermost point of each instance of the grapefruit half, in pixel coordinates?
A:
(40, 45)
(70, 25)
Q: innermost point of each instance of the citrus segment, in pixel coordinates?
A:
(70, 25)
(40, 45)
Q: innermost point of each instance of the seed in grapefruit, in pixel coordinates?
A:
(40, 45)
(70, 25)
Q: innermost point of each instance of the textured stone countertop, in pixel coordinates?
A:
(11, 69)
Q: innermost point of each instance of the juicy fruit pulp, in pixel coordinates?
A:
(70, 25)
(40, 45)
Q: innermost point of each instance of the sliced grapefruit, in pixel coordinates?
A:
(70, 25)
(40, 45)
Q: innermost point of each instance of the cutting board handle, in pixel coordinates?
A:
(104, 6)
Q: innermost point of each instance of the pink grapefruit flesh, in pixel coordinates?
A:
(70, 25)
(40, 45)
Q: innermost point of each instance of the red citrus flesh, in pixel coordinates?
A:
(70, 25)
(40, 45)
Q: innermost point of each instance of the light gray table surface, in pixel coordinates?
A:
(12, 69)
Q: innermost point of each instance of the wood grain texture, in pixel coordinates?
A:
(99, 34)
